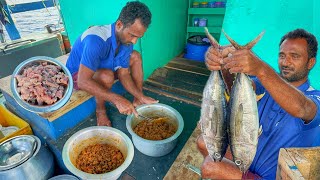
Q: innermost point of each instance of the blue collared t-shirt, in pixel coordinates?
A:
(281, 130)
(96, 49)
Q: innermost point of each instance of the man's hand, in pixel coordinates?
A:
(144, 100)
(214, 57)
(243, 61)
(125, 107)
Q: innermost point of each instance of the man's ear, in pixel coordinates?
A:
(119, 25)
(311, 63)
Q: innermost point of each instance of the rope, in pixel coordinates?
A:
(46, 7)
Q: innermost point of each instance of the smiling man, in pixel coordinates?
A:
(289, 112)
(103, 54)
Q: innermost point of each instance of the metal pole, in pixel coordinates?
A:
(2, 40)
(10, 26)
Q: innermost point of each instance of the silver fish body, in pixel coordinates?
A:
(213, 120)
(243, 122)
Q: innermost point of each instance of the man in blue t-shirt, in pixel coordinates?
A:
(289, 112)
(103, 54)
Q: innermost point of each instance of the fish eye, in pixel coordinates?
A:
(217, 155)
(238, 162)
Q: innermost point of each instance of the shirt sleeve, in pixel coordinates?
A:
(259, 88)
(123, 61)
(315, 97)
(93, 48)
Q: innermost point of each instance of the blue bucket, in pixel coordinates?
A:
(196, 48)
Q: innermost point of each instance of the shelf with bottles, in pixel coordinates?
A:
(217, 11)
(208, 14)
(207, 4)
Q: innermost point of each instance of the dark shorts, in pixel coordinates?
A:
(250, 175)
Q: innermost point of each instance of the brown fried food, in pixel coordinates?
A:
(156, 129)
(99, 159)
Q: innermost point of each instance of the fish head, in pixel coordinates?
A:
(243, 158)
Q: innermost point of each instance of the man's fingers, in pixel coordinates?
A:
(134, 111)
(236, 70)
(227, 50)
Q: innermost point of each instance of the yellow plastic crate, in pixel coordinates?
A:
(9, 119)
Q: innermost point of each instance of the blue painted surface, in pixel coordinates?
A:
(10, 27)
(293, 167)
(31, 6)
(60, 125)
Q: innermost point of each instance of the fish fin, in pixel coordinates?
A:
(238, 123)
(260, 131)
(260, 96)
(234, 43)
(255, 41)
(212, 40)
(227, 96)
(248, 45)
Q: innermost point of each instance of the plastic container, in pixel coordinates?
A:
(203, 22)
(9, 119)
(150, 147)
(196, 48)
(204, 4)
(196, 22)
(195, 4)
(211, 4)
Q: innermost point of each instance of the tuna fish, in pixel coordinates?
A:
(243, 118)
(213, 120)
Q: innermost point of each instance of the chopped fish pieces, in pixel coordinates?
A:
(42, 84)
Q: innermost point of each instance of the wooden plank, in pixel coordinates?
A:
(182, 67)
(76, 98)
(174, 90)
(188, 78)
(187, 62)
(170, 95)
(188, 155)
(287, 169)
(307, 161)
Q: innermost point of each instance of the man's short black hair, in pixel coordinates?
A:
(135, 10)
(310, 38)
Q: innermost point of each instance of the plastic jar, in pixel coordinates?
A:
(211, 4)
(196, 22)
(204, 4)
(195, 4)
(203, 22)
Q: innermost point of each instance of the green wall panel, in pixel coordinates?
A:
(244, 20)
(163, 40)
(79, 15)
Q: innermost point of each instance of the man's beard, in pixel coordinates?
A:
(297, 76)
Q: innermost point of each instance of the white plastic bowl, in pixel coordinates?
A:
(97, 135)
(160, 147)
